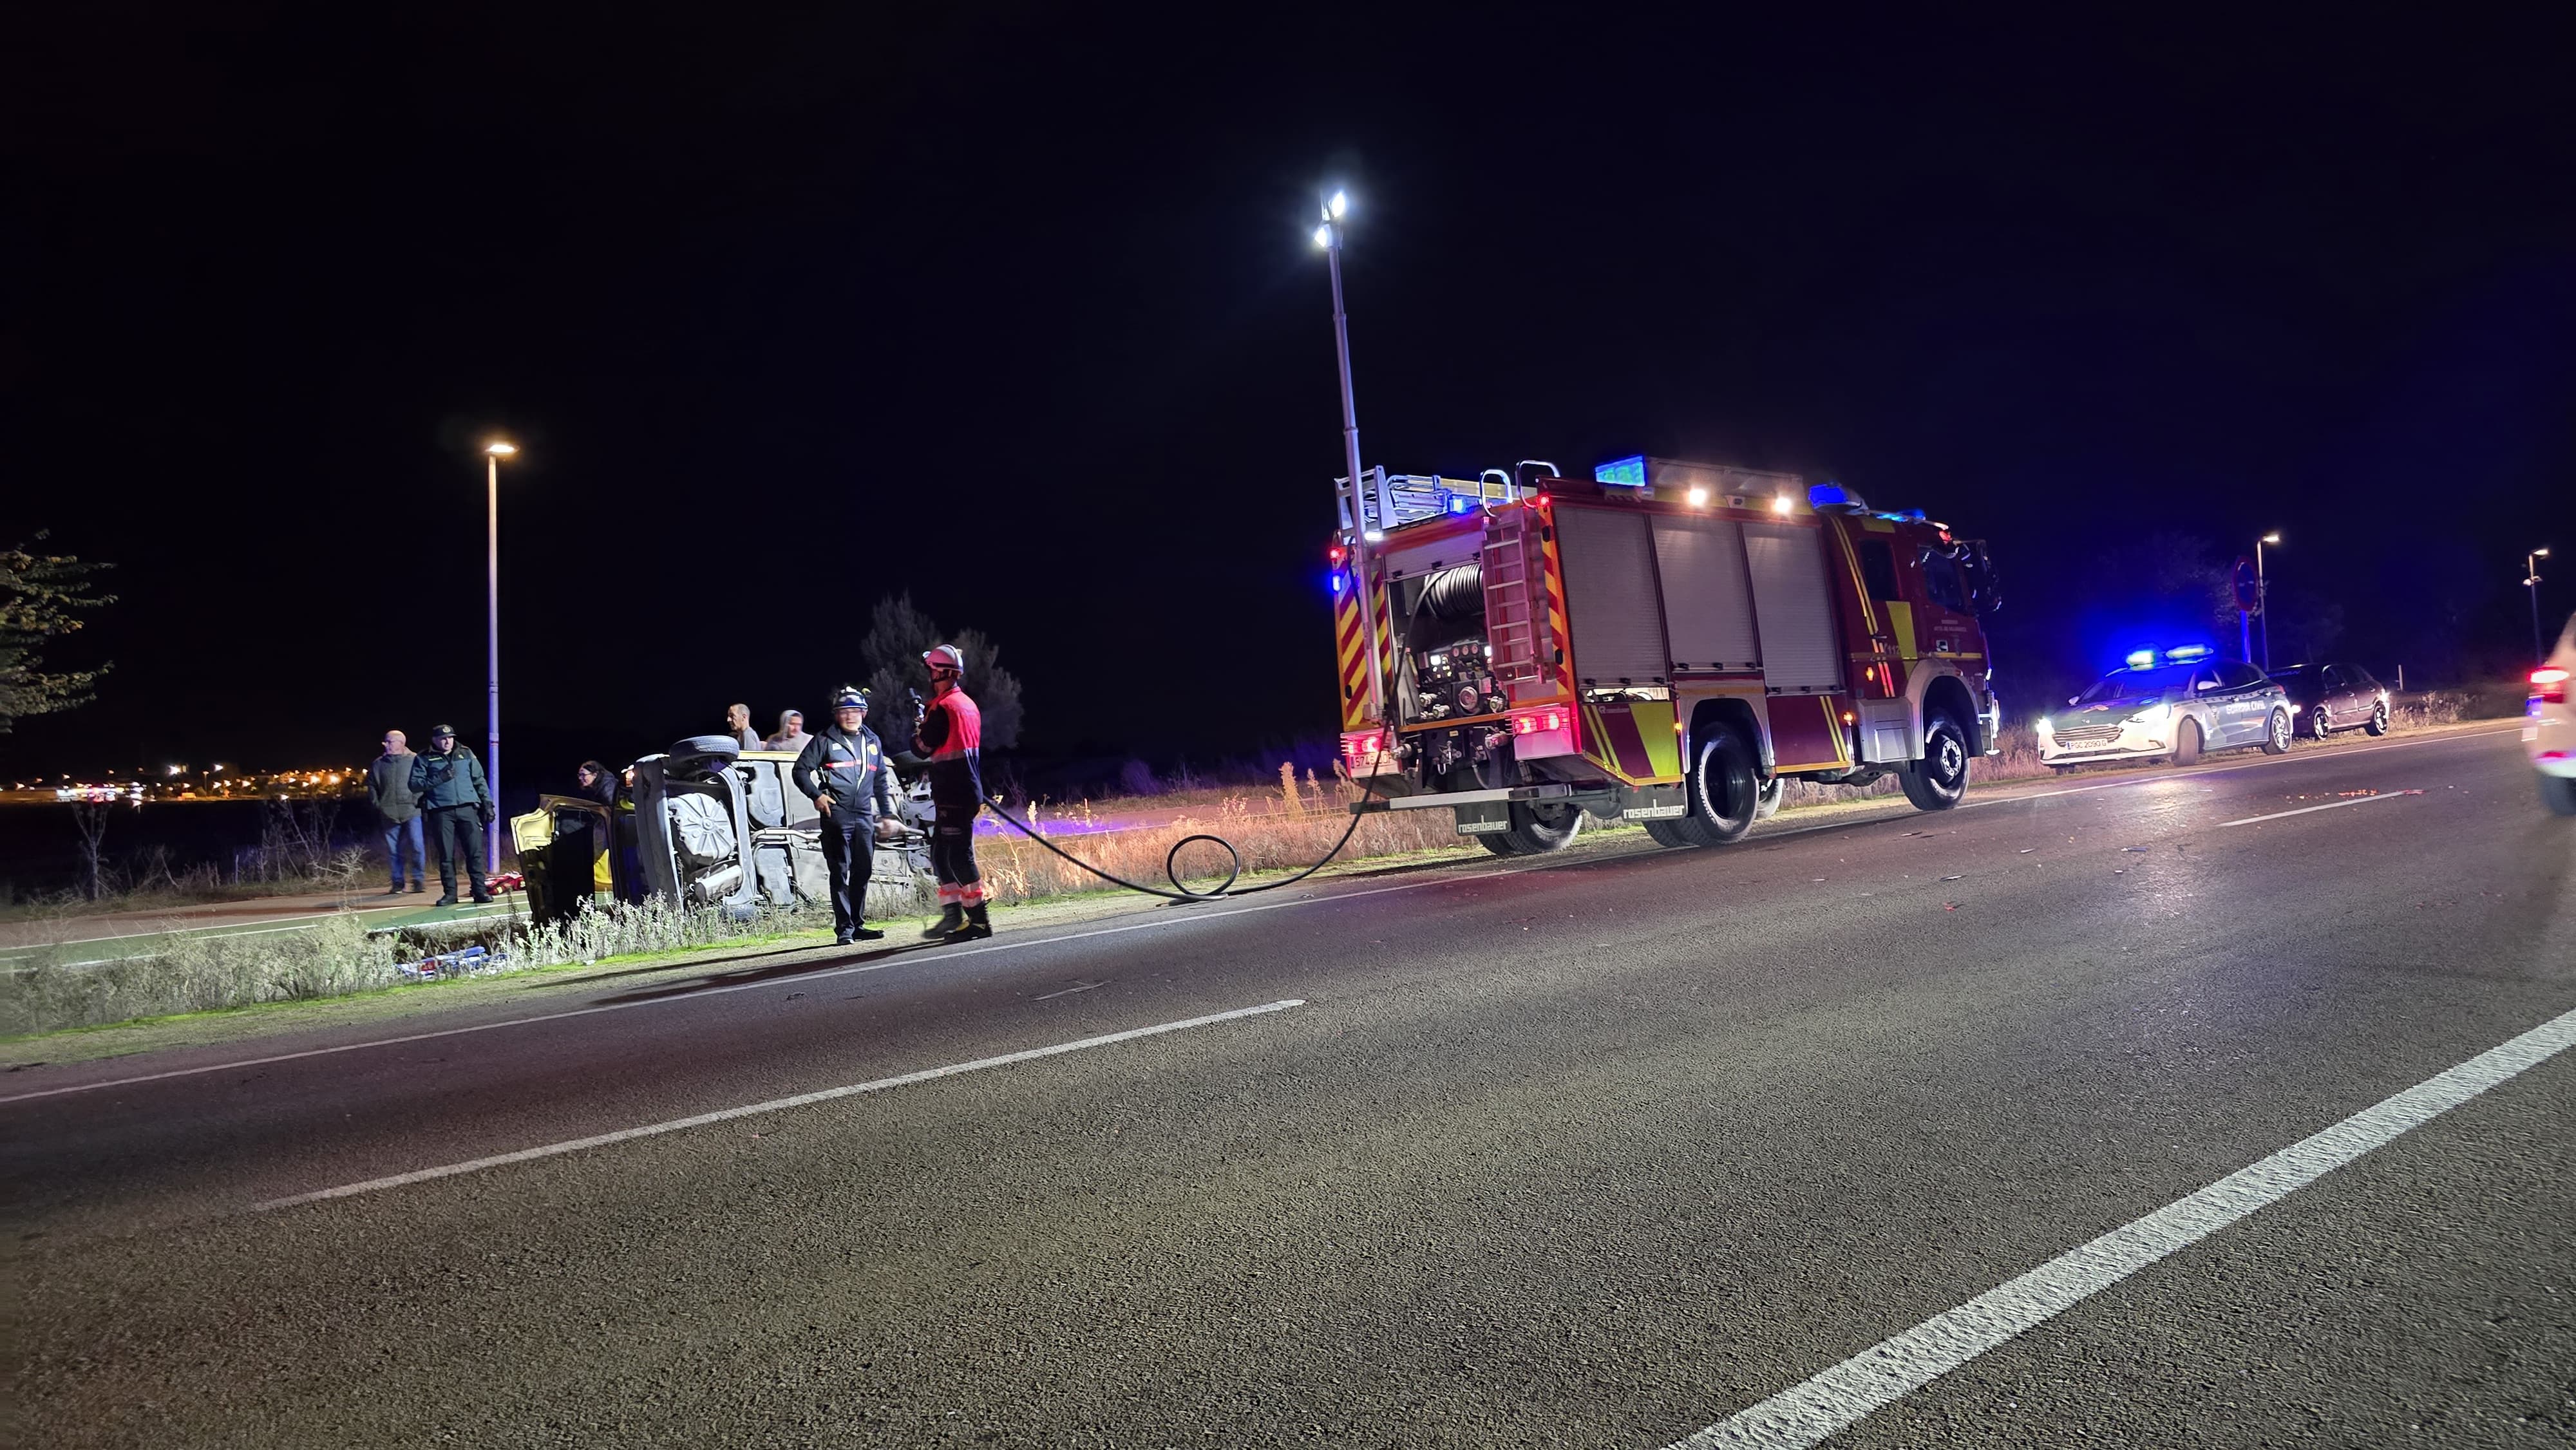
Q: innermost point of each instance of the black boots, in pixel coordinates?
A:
(961, 923)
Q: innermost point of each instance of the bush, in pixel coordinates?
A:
(66, 986)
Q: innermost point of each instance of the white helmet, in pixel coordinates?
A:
(946, 657)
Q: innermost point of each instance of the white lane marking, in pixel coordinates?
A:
(1210, 915)
(2361, 800)
(1893, 1368)
(2302, 757)
(774, 1105)
(906, 958)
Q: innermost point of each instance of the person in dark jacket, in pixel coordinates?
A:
(844, 771)
(448, 782)
(598, 782)
(950, 735)
(389, 790)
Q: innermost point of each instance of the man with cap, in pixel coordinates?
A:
(950, 735)
(447, 781)
(844, 770)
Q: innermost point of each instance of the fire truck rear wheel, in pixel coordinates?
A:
(1672, 834)
(1539, 827)
(1724, 793)
(1940, 778)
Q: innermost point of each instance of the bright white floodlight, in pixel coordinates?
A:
(1341, 203)
(1324, 235)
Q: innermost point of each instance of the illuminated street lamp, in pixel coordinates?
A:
(1328, 235)
(493, 453)
(2531, 585)
(2263, 596)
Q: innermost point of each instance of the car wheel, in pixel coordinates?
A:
(1767, 803)
(1940, 778)
(2378, 719)
(2187, 743)
(1670, 833)
(2277, 740)
(1539, 827)
(1498, 842)
(1722, 789)
(2558, 792)
(2320, 724)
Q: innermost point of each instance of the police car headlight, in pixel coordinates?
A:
(2045, 728)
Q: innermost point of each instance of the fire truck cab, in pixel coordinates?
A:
(1665, 642)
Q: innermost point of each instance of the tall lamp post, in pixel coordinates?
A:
(2531, 585)
(493, 453)
(2263, 596)
(1328, 235)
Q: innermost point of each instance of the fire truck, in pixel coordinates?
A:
(1665, 642)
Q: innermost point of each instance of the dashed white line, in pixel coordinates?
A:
(1893, 1368)
(774, 1105)
(2359, 800)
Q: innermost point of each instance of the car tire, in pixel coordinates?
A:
(2558, 792)
(2187, 743)
(1498, 842)
(2378, 719)
(1671, 834)
(2276, 741)
(2320, 724)
(1940, 778)
(1722, 788)
(1539, 827)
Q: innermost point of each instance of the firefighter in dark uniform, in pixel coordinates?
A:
(950, 735)
(844, 770)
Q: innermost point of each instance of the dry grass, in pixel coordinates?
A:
(1288, 829)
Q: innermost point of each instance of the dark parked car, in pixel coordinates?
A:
(2327, 698)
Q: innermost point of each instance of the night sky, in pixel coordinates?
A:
(1016, 310)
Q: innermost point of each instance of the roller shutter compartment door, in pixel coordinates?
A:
(1707, 612)
(1793, 609)
(1610, 603)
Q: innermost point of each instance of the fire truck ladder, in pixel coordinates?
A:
(1515, 620)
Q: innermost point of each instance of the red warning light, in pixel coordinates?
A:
(1335, 555)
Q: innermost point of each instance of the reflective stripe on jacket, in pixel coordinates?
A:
(951, 738)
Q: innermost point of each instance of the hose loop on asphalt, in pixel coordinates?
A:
(1171, 862)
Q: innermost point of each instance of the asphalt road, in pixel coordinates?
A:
(1574, 1153)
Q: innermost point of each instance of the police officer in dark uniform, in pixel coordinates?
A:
(844, 770)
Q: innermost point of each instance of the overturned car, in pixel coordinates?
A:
(711, 824)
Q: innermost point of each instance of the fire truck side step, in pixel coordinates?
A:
(1551, 791)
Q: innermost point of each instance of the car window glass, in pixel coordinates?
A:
(2237, 676)
(2205, 680)
(1941, 581)
(1878, 569)
(2330, 677)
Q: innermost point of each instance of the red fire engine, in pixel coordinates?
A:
(1666, 642)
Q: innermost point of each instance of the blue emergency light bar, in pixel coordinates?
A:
(1629, 472)
(2181, 654)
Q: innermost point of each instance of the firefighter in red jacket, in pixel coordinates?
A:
(950, 735)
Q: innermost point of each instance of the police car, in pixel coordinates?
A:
(2174, 703)
(2549, 725)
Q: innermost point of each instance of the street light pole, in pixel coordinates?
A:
(1329, 237)
(2263, 596)
(493, 453)
(2531, 585)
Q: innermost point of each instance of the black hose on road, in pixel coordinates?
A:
(1171, 871)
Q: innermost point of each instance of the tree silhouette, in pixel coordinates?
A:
(42, 597)
(898, 633)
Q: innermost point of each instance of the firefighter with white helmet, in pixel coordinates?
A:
(949, 735)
